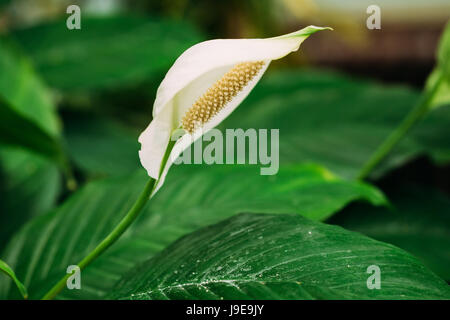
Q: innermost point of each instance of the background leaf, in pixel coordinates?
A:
(29, 186)
(107, 51)
(27, 115)
(442, 95)
(419, 223)
(101, 146)
(441, 72)
(191, 198)
(16, 130)
(443, 52)
(433, 136)
(23, 91)
(235, 258)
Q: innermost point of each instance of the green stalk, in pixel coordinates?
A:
(413, 117)
(110, 238)
(115, 234)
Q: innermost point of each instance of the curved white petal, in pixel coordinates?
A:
(187, 139)
(154, 140)
(196, 70)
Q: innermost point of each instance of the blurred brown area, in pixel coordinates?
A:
(395, 53)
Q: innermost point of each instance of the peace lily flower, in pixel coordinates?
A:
(205, 84)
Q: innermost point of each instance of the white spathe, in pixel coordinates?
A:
(196, 70)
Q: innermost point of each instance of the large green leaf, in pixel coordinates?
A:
(29, 185)
(107, 51)
(247, 256)
(419, 223)
(27, 115)
(338, 122)
(191, 198)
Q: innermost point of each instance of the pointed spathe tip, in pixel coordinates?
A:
(305, 32)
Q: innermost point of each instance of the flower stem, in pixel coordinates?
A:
(118, 230)
(110, 239)
(413, 117)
